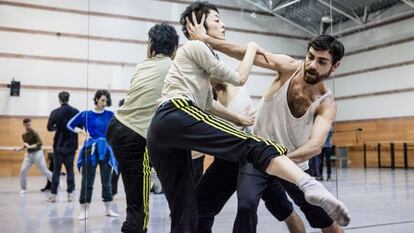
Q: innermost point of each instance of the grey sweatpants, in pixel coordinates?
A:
(38, 159)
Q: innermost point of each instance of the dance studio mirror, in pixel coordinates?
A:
(373, 131)
(96, 50)
(45, 65)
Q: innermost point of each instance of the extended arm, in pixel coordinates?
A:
(320, 130)
(277, 62)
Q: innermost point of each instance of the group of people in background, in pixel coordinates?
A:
(68, 122)
(184, 102)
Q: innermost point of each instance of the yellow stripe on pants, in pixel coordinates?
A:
(146, 187)
(224, 126)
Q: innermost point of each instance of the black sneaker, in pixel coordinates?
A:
(45, 189)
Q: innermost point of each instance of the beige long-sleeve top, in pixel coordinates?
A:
(189, 76)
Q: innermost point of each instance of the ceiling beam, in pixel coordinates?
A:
(363, 18)
(373, 23)
(409, 3)
(285, 5)
(281, 17)
(366, 14)
(266, 3)
(340, 11)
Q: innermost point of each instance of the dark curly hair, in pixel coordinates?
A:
(327, 42)
(200, 9)
(164, 39)
(100, 93)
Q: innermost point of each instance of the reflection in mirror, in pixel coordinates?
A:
(112, 50)
(44, 62)
(372, 132)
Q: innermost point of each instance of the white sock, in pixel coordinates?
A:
(317, 194)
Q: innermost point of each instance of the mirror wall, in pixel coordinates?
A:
(373, 89)
(84, 46)
(45, 50)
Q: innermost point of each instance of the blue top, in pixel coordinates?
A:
(328, 139)
(95, 124)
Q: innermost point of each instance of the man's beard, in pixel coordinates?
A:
(312, 76)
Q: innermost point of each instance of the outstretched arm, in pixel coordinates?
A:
(277, 62)
(20, 149)
(320, 130)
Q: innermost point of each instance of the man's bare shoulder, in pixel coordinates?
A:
(288, 68)
(328, 106)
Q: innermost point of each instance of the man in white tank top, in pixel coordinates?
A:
(223, 175)
(297, 110)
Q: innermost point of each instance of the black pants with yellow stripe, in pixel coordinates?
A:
(224, 176)
(130, 151)
(178, 127)
(252, 185)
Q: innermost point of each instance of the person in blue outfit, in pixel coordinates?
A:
(95, 151)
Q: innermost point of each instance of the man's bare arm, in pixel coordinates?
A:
(33, 146)
(323, 122)
(277, 62)
(20, 149)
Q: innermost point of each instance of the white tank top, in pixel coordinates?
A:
(275, 121)
(239, 103)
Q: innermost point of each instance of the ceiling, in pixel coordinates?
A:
(316, 16)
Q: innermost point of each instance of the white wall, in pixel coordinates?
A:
(115, 19)
(384, 79)
(47, 69)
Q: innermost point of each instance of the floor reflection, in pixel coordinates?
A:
(380, 200)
